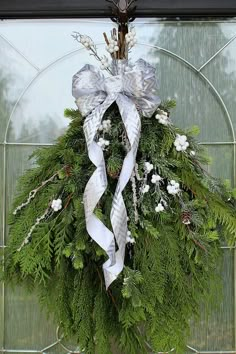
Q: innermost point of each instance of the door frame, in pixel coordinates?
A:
(99, 8)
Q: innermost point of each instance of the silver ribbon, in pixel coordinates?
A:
(94, 94)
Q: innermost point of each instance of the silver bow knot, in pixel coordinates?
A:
(94, 94)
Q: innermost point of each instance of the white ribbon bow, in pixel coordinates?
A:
(94, 94)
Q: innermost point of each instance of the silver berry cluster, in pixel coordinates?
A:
(130, 38)
(112, 47)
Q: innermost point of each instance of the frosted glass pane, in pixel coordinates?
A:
(44, 41)
(196, 103)
(1, 314)
(1, 195)
(222, 161)
(15, 74)
(39, 118)
(26, 325)
(5, 104)
(225, 80)
(216, 332)
(17, 160)
(196, 41)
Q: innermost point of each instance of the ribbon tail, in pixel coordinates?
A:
(96, 186)
(132, 123)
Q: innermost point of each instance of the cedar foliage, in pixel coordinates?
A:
(170, 269)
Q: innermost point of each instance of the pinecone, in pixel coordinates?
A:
(68, 170)
(113, 174)
(186, 217)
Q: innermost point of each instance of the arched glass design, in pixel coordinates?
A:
(196, 65)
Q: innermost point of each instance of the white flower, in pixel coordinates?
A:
(192, 153)
(145, 189)
(129, 238)
(156, 178)
(103, 143)
(162, 117)
(56, 204)
(148, 166)
(130, 38)
(159, 208)
(181, 142)
(113, 46)
(173, 187)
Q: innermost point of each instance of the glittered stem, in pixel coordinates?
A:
(38, 220)
(33, 193)
(77, 36)
(135, 199)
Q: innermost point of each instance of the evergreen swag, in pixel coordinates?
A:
(169, 270)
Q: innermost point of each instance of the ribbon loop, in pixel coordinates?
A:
(94, 94)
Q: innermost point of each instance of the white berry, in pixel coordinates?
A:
(56, 204)
(162, 118)
(148, 166)
(103, 143)
(173, 187)
(181, 143)
(130, 38)
(155, 179)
